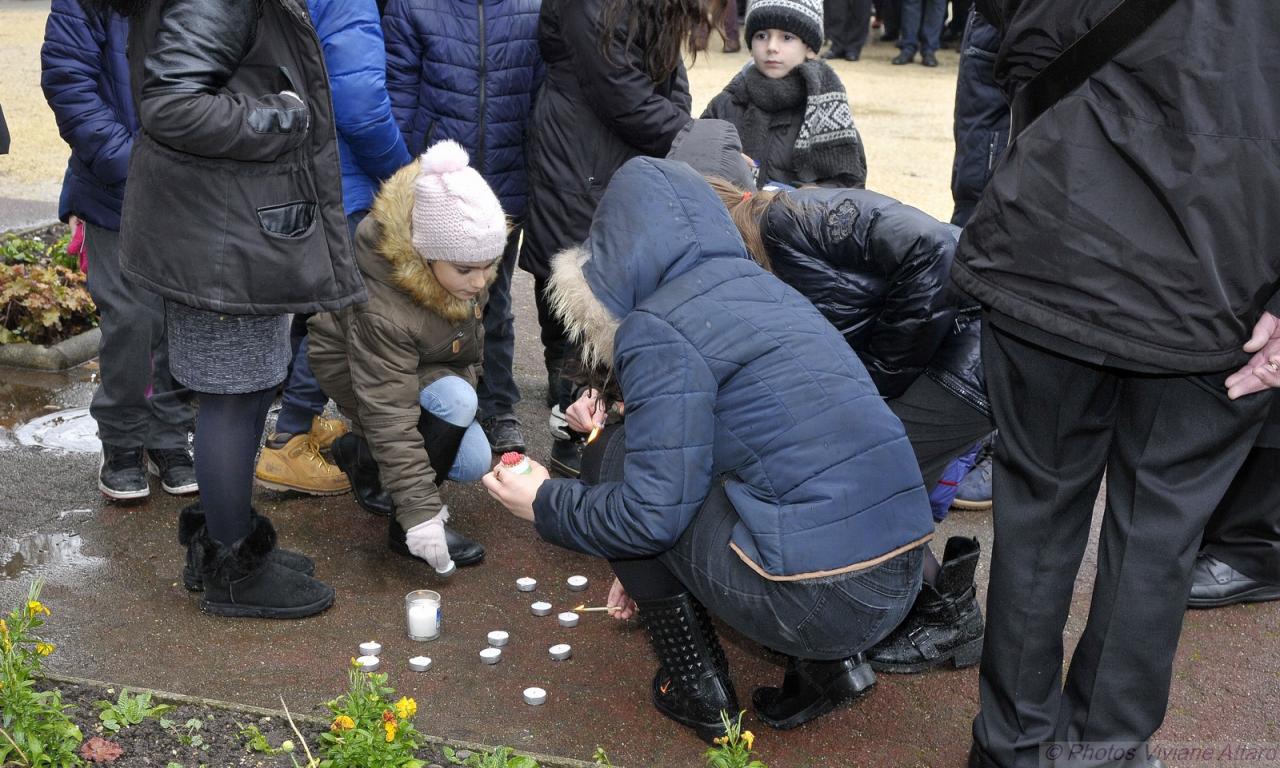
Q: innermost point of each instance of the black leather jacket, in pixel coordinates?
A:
(879, 271)
(234, 201)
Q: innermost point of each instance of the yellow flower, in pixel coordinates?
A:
(750, 738)
(720, 740)
(44, 649)
(406, 707)
(4, 628)
(390, 728)
(342, 723)
(35, 607)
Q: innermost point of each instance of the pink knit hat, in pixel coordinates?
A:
(456, 217)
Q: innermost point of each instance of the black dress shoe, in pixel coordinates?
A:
(906, 57)
(929, 59)
(811, 689)
(1215, 584)
(462, 550)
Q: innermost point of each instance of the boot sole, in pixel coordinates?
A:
(178, 490)
(232, 610)
(309, 491)
(705, 731)
(563, 470)
(963, 656)
(971, 506)
(1262, 594)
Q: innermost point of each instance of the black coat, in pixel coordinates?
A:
(879, 271)
(981, 117)
(592, 114)
(234, 201)
(1132, 224)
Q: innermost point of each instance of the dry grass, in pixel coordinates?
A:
(904, 114)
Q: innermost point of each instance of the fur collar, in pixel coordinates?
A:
(590, 326)
(393, 210)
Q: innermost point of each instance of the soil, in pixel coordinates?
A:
(219, 743)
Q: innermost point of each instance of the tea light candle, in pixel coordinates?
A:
(498, 638)
(540, 608)
(420, 663)
(526, 584)
(422, 614)
(491, 655)
(370, 648)
(577, 583)
(561, 651)
(368, 663)
(535, 696)
(568, 619)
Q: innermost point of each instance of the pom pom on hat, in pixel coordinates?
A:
(456, 216)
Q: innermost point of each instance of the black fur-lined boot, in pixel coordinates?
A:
(692, 685)
(244, 580)
(191, 522)
(945, 623)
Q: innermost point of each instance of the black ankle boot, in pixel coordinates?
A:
(352, 455)
(243, 580)
(692, 686)
(811, 689)
(945, 623)
(463, 550)
(191, 523)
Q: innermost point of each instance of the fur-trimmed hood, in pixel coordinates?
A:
(393, 259)
(657, 220)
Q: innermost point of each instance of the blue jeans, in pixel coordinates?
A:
(303, 399)
(452, 399)
(497, 390)
(922, 22)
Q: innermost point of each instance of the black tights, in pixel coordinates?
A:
(228, 431)
(644, 578)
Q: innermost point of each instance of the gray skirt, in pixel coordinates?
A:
(226, 354)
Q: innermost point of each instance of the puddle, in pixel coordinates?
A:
(18, 556)
(72, 430)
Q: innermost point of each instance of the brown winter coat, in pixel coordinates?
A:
(375, 358)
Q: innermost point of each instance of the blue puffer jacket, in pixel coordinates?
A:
(467, 71)
(85, 78)
(369, 144)
(729, 376)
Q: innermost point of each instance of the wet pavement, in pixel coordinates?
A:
(120, 614)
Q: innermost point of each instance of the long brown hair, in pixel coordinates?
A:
(747, 209)
(663, 26)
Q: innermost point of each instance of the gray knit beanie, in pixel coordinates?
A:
(802, 18)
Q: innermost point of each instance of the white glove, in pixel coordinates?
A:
(427, 541)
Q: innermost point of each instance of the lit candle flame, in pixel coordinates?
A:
(595, 432)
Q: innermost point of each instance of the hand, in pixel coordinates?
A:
(618, 598)
(427, 541)
(586, 413)
(1263, 369)
(514, 491)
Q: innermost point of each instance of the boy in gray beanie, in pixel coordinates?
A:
(789, 106)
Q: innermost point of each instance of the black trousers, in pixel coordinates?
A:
(848, 23)
(1244, 531)
(1170, 446)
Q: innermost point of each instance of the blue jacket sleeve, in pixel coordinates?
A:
(670, 395)
(404, 67)
(351, 35)
(71, 68)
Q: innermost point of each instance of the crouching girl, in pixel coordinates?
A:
(402, 367)
(761, 480)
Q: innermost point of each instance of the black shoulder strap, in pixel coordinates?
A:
(1085, 56)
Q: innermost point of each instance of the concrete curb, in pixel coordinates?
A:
(547, 761)
(67, 353)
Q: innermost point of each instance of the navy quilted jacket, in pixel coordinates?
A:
(85, 78)
(729, 376)
(467, 71)
(369, 144)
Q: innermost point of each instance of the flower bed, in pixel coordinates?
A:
(44, 298)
